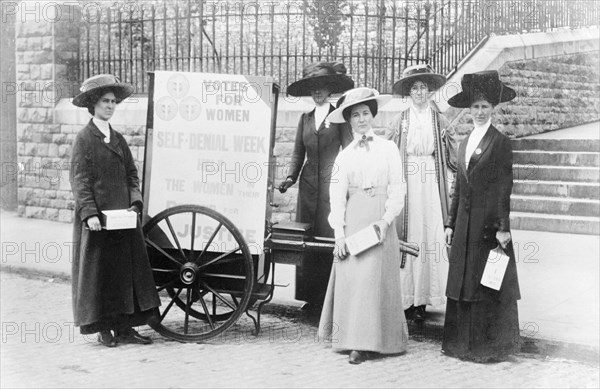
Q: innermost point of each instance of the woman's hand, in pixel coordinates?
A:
(94, 223)
(449, 232)
(134, 208)
(283, 187)
(340, 251)
(383, 227)
(503, 237)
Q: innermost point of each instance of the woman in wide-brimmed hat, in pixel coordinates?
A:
(316, 146)
(113, 286)
(363, 312)
(425, 139)
(481, 323)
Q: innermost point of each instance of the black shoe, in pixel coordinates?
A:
(107, 339)
(419, 315)
(356, 357)
(131, 336)
(409, 312)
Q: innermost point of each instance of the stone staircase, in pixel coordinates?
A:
(556, 185)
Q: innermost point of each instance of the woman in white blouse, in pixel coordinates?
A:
(425, 139)
(362, 311)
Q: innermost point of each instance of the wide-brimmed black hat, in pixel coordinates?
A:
(320, 74)
(486, 85)
(93, 86)
(422, 72)
(354, 97)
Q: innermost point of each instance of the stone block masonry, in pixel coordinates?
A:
(552, 93)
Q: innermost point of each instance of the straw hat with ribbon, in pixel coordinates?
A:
(486, 85)
(320, 74)
(95, 86)
(354, 97)
(422, 72)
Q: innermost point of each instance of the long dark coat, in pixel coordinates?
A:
(480, 207)
(111, 274)
(319, 149)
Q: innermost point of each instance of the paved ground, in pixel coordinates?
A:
(558, 276)
(40, 348)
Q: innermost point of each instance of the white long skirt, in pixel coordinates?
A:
(363, 305)
(421, 278)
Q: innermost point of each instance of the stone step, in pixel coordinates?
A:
(555, 205)
(560, 158)
(556, 173)
(588, 145)
(578, 190)
(555, 223)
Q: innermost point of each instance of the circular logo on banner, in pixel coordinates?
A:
(166, 108)
(189, 108)
(178, 86)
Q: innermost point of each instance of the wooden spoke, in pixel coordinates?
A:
(168, 284)
(193, 234)
(175, 237)
(210, 320)
(229, 276)
(165, 270)
(170, 304)
(219, 257)
(217, 295)
(163, 252)
(188, 305)
(212, 237)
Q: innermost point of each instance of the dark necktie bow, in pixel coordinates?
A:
(364, 141)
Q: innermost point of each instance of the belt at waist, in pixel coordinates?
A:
(376, 190)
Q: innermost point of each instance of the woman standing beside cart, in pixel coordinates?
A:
(363, 306)
(426, 143)
(317, 144)
(481, 323)
(112, 284)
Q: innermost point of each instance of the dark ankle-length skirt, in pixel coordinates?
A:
(483, 331)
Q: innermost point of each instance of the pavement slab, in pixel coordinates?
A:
(41, 348)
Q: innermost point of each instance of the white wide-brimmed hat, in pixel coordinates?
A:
(356, 96)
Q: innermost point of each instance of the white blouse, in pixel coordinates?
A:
(355, 166)
(104, 128)
(476, 136)
(321, 112)
(419, 139)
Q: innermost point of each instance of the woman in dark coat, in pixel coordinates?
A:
(481, 323)
(112, 283)
(317, 144)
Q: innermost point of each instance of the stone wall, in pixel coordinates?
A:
(47, 47)
(552, 93)
(45, 150)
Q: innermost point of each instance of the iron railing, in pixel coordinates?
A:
(375, 39)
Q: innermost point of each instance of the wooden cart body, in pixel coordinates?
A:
(208, 189)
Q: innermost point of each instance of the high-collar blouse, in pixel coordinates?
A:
(358, 167)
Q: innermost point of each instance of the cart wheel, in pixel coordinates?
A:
(207, 274)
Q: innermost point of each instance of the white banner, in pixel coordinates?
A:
(211, 146)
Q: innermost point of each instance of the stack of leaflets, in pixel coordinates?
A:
(294, 231)
(363, 240)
